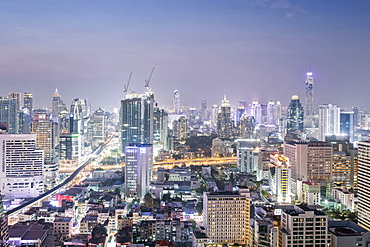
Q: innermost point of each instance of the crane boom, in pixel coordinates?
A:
(127, 84)
(150, 77)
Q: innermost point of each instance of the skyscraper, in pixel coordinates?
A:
(363, 184)
(347, 124)
(309, 104)
(138, 169)
(160, 133)
(28, 102)
(9, 113)
(329, 121)
(295, 115)
(57, 106)
(176, 102)
(280, 178)
(21, 170)
(17, 96)
(204, 109)
(271, 113)
(224, 123)
(136, 119)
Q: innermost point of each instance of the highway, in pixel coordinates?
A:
(169, 164)
(93, 155)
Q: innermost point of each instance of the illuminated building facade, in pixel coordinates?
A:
(138, 169)
(21, 166)
(329, 121)
(347, 124)
(57, 106)
(309, 101)
(224, 123)
(226, 216)
(363, 184)
(17, 96)
(176, 102)
(97, 128)
(295, 115)
(280, 178)
(136, 119)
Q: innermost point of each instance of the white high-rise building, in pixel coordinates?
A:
(329, 121)
(176, 102)
(226, 216)
(309, 104)
(138, 169)
(271, 113)
(21, 166)
(280, 178)
(363, 184)
(304, 226)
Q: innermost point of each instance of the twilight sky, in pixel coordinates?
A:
(246, 49)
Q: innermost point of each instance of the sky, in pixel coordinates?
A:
(246, 49)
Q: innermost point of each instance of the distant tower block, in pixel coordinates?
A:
(309, 107)
(176, 101)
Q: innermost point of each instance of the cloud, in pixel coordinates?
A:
(290, 7)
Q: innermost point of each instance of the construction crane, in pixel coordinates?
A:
(128, 83)
(147, 81)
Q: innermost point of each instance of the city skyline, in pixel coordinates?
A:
(239, 48)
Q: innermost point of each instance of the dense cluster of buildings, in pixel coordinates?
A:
(294, 165)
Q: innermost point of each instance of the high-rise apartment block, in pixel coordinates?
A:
(329, 121)
(363, 184)
(21, 169)
(310, 161)
(226, 216)
(303, 226)
(28, 102)
(138, 169)
(17, 96)
(176, 102)
(4, 228)
(57, 106)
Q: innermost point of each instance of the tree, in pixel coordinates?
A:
(148, 200)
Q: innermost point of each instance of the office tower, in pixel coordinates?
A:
(329, 119)
(160, 132)
(363, 184)
(355, 116)
(70, 148)
(214, 114)
(176, 102)
(256, 111)
(16, 96)
(136, 119)
(271, 111)
(278, 110)
(249, 125)
(310, 161)
(24, 121)
(309, 105)
(28, 102)
(4, 229)
(303, 226)
(97, 128)
(347, 126)
(9, 114)
(57, 106)
(80, 112)
(204, 112)
(21, 170)
(138, 169)
(224, 124)
(47, 137)
(182, 128)
(295, 115)
(226, 216)
(280, 178)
